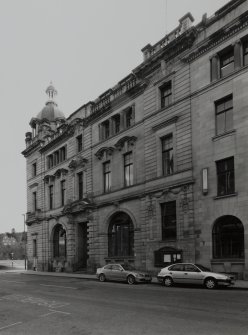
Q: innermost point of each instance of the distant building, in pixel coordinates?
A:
(153, 171)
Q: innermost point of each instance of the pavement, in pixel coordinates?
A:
(239, 284)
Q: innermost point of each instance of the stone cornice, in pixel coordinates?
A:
(171, 50)
(32, 148)
(118, 101)
(219, 36)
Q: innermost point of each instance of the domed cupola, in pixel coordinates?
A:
(50, 112)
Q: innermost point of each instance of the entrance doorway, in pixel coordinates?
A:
(82, 245)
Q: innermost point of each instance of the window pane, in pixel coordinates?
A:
(169, 223)
(220, 119)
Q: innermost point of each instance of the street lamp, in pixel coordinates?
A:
(25, 242)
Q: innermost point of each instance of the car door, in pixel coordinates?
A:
(117, 273)
(192, 274)
(108, 271)
(176, 272)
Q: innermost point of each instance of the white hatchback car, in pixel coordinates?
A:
(188, 273)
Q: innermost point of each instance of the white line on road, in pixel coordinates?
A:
(13, 281)
(53, 312)
(72, 288)
(13, 324)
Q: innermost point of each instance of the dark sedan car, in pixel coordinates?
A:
(118, 272)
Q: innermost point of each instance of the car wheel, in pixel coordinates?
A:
(168, 282)
(130, 280)
(102, 278)
(210, 283)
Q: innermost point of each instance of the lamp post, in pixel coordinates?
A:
(25, 242)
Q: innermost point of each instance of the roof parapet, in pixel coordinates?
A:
(185, 23)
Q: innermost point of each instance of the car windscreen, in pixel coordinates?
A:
(203, 268)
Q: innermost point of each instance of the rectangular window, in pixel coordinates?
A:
(128, 169)
(166, 94)
(227, 62)
(129, 115)
(63, 154)
(224, 115)
(51, 197)
(169, 221)
(50, 161)
(34, 248)
(245, 52)
(116, 123)
(167, 155)
(56, 158)
(79, 143)
(80, 185)
(34, 201)
(34, 169)
(225, 176)
(62, 189)
(105, 129)
(106, 176)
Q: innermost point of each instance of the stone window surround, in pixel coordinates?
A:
(168, 78)
(52, 155)
(111, 120)
(159, 216)
(238, 58)
(159, 134)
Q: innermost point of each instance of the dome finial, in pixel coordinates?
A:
(51, 92)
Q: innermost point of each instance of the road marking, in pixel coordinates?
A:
(13, 281)
(70, 287)
(33, 300)
(51, 311)
(13, 324)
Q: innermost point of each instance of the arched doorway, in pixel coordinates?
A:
(120, 236)
(59, 242)
(228, 238)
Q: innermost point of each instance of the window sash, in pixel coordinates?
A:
(51, 196)
(166, 95)
(128, 169)
(80, 185)
(106, 177)
(224, 116)
(225, 177)
(167, 155)
(62, 193)
(169, 221)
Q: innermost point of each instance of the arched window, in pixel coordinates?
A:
(120, 236)
(228, 238)
(59, 241)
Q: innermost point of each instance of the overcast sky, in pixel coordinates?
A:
(85, 47)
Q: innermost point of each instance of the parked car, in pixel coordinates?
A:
(118, 272)
(188, 273)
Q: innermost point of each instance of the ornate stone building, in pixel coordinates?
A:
(138, 175)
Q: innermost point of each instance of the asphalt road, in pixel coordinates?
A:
(52, 305)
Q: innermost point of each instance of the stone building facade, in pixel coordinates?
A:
(138, 175)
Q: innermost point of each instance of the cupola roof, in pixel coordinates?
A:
(50, 112)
